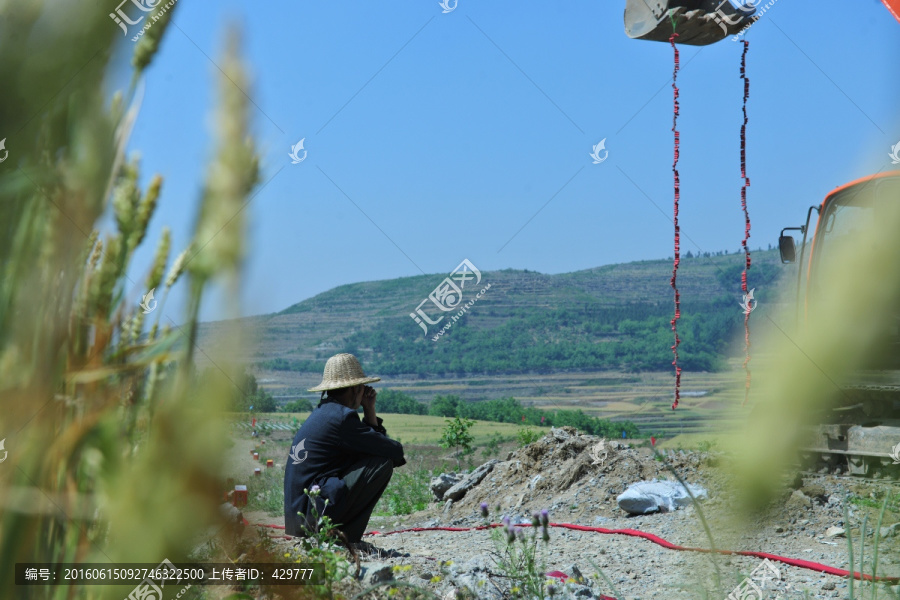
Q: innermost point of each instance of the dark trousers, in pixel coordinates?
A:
(366, 481)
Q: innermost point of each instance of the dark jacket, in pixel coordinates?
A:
(332, 438)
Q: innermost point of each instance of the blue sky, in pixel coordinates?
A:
(435, 137)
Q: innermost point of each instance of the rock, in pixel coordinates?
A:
(779, 529)
(828, 585)
(471, 480)
(834, 531)
(563, 433)
(443, 482)
(646, 497)
(231, 514)
(479, 586)
(798, 500)
(814, 491)
(447, 506)
(580, 591)
(889, 531)
(427, 575)
(372, 573)
(480, 563)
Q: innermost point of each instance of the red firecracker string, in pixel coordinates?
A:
(746, 247)
(677, 260)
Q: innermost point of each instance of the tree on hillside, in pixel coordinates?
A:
(247, 393)
(444, 406)
(392, 401)
(456, 435)
(298, 405)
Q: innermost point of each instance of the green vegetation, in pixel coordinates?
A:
(245, 391)
(492, 446)
(136, 443)
(456, 435)
(527, 435)
(518, 557)
(317, 545)
(509, 410)
(615, 317)
(407, 492)
(392, 401)
(426, 430)
(299, 405)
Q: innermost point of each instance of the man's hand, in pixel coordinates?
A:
(368, 405)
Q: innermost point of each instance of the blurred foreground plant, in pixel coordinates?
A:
(114, 450)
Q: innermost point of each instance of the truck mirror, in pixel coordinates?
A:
(787, 249)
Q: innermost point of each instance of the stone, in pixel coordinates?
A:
(479, 563)
(798, 500)
(834, 531)
(646, 497)
(231, 514)
(471, 480)
(814, 491)
(563, 433)
(377, 572)
(443, 482)
(479, 586)
(828, 585)
(889, 531)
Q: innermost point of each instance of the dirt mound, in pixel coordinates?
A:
(570, 472)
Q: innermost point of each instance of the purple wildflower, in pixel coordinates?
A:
(545, 517)
(484, 510)
(511, 534)
(314, 489)
(535, 519)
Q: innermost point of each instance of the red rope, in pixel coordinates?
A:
(677, 260)
(744, 187)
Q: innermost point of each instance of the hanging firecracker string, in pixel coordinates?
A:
(677, 260)
(744, 186)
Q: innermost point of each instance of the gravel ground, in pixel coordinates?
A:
(562, 473)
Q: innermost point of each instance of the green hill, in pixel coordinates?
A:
(614, 317)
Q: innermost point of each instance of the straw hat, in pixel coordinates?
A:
(341, 371)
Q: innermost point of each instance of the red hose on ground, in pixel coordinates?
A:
(794, 562)
(677, 259)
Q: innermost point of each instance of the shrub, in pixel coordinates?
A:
(527, 435)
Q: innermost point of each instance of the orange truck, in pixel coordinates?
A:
(860, 431)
